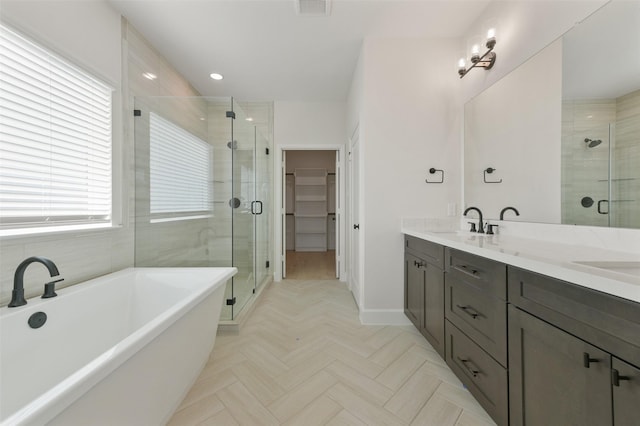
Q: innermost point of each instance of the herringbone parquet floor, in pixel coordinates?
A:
(303, 358)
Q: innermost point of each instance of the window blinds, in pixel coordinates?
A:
(180, 170)
(55, 139)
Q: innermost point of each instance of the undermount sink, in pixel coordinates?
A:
(628, 268)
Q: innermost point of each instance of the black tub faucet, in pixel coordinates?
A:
(480, 222)
(17, 295)
(506, 209)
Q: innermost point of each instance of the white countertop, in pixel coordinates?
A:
(553, 259)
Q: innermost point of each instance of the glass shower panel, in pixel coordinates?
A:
(172, 223)
(220, 235)
(243, 206)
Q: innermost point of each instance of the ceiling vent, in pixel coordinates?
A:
(313, 7)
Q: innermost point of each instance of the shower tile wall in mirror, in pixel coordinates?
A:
(566, 141)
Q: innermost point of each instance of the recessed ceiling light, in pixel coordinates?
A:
(216, 76)
(149, 75)
(249, 119)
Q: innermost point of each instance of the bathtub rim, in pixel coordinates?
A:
(53, 401)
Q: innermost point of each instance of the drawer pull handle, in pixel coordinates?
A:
(466, 270)
(419, 264)
(616, 377)
(469, 366)
(469, 311)
(587, 360)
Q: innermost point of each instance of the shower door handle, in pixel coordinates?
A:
(600, 206)
(253, 210)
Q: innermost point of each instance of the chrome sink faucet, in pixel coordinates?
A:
(480, 222)
(17, 295)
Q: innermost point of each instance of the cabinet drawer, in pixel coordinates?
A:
(479, 315)
(485, 274)
(606, 321)
(432, 252)
(484, 377)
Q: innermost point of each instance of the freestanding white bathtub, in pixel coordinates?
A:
(122, 349)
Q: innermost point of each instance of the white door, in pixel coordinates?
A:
(337, 219)
(283, 213)
(354, 225)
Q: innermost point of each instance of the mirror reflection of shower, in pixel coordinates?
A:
(591, 143)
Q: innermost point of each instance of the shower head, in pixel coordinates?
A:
(592, 142)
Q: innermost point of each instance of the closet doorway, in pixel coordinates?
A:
(311, 232)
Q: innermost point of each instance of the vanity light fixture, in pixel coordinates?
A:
(485, 61)
(216, 76)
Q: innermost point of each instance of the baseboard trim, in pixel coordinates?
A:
(383, 317)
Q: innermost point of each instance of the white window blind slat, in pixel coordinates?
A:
(55, 139)
(180, 169)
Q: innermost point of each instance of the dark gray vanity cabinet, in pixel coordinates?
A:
(476, 328)
(626, 393)
(568, 348)
(556, 379)
(424, 289)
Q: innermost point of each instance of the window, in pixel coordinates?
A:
(180, 173)
(55, 141)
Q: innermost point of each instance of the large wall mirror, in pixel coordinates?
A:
(559, 137)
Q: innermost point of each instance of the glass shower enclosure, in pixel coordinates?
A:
(600, 152)
(202, 191)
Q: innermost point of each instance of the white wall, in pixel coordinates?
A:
(89, 35)
(303, 125)
(408, 101)
(408, 123)
(309, 123)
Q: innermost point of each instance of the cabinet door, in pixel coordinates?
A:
(414, 289)
(555, 378)
(626, 393)
(433, 329)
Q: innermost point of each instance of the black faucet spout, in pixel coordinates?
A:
(17, 295)
(480, 221)
(507, 209)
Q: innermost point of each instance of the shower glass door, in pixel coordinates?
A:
(261, 207)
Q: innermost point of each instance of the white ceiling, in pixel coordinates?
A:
(267, 52)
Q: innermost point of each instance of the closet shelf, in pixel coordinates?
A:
(311, 209)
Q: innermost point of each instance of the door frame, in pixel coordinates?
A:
(279, 207)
